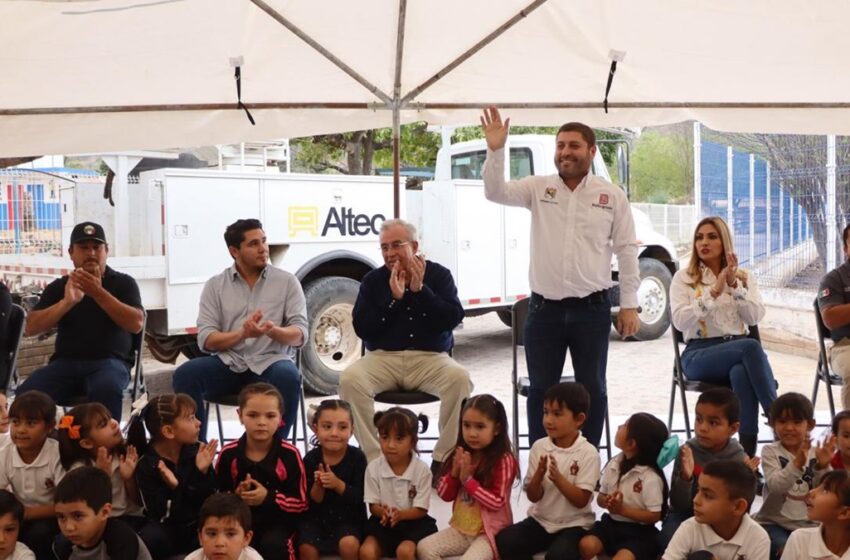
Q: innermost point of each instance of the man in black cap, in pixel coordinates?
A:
(97, 310)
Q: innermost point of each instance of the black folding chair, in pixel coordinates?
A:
(11, 346)
(521, 385)
(682, 384)
(232, 400)
(824, 372)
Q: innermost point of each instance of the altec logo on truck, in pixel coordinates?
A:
(324, 229)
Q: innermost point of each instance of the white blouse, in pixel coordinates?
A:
(698, 315)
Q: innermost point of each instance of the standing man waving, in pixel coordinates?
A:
(578, 221)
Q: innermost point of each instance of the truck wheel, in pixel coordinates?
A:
(333, 344)
(505, 316)
(654, 299)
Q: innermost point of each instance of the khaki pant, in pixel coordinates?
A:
(839, 360)
(408, 370)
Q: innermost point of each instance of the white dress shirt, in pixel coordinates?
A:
(699, 315)
(574, 233)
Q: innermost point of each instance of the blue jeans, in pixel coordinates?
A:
(778, 538)
(101, 381)
(208, 375)
(740, 363)
(552, 327)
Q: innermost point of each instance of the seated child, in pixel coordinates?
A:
(174, 474)
(792, 468)
(634, 490)
(83, 511)
(224, 530)
(563, 469)
(829, 504)
(11, 519)
(841, 431)
(721, 526)
(717, 420)
(265, 471)
(335, 475)
(30, 468)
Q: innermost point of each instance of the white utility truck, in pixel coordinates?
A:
(324, 229)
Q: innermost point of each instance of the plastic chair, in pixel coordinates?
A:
(521, 385)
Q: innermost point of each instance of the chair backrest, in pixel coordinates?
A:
(12, 344)
(823, 331)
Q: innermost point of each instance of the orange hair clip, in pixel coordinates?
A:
(67, 423)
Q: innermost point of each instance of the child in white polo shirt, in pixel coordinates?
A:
(563, 472)
(11, 518)
(634, 491)
(721, 526)
(30, 468)
(828, 504)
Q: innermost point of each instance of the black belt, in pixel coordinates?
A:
(724, 338)
(596, 297)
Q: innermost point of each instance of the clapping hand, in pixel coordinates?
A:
(731, 269)
(417, 273)
(825, 452)
(127, 462)
(466, 469)
(328, 479)
(252, 492)
(204, 457)
(397, 280)
(166, 474)
(614, 503)
(686, 460)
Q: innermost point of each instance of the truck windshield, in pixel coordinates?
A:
(468, 165)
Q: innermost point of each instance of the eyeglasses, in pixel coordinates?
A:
(395, 246)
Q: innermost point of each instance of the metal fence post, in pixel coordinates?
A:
(730, 198)
(752, 256)
(781, 221)
(697, 171)
(768, 205)
(831, 229)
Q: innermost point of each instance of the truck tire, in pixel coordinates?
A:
(654, 299)
(505, 316)
(333, 345)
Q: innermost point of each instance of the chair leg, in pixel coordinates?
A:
(608, 433)
(516, 421)
(685, 411)
(817, 382)
(672, 407)
(831, 399)
(220, 424)
(304, 423)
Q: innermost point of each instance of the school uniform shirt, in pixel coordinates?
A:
(122, 502)
(34, 484)
(410, 489)
(786, 487)
(807, 544)
(281, 472)
(642, 488)
(749, 543)
(98, 552)
(699, 315)
(574, 233)
(579, 463)
(21, 552)
(5, 439)
(248, 553)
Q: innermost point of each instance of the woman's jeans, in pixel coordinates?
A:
(740, 363)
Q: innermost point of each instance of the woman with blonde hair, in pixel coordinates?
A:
(713, 303)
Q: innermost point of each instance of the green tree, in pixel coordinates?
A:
(661, 168)
(362, 151)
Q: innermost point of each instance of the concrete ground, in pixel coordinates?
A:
(639, 380)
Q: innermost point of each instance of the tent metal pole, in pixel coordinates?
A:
(321, 50)
(399, 56)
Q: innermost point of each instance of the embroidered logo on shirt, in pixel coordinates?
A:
(574, 468)
(550, 192)
(603, 202)
(411, 492)
(824, 293)
(638, 487)
(603, 199)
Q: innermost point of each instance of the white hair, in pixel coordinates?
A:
(411, 229)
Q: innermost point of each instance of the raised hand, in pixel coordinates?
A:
(103, 460)
(753, 463)
(397, 280)
(719, 283)
(731, 269)
(167, 475)
(466, 470)
(206, 453)
(417, 273)
(555, 473)
(456, 459)
(495, 131)
(542, 467)
(686, 459)
(89, 283)
(251, 327)
(252, 492)
(825, 452)
(802, 455)
(127, 463)
(328, 478)
(73, 293)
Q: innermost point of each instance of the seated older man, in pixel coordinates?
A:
(405, 313)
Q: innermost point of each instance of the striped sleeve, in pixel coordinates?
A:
(496, 495)
(448, 487)
(291, 494)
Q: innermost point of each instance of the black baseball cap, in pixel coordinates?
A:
(87, 231)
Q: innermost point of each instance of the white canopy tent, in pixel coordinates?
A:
(106, 75)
